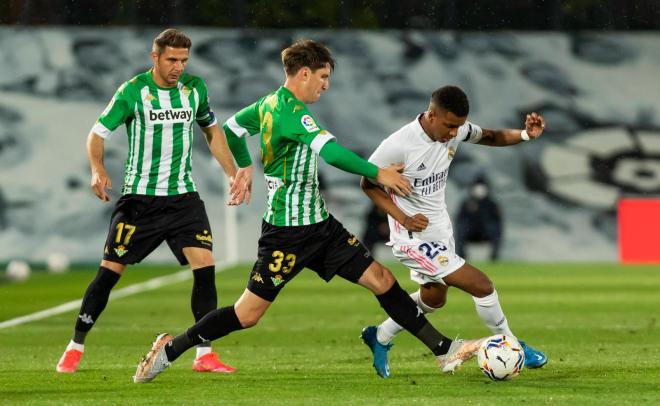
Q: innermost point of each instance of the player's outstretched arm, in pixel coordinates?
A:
(415, 223)
(220, 149)
(100, 179)
(348, 161)
(240, 186)
(391, 177)
(534, 126)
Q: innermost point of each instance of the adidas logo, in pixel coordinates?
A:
(421, 167)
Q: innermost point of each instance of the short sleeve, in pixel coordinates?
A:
(469, 132)
(387, 153)
(245, 122)
(205, 116)
(118, 112)
(299, 125)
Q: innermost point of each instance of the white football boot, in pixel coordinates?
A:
(154, 362)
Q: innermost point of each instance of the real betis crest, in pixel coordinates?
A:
(121, 251)
(277, 280)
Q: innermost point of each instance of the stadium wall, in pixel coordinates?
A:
(598, 92)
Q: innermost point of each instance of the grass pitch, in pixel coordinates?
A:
(597, 324)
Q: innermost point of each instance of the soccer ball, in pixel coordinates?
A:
(58, 263)
(501, 357)
(18, 271)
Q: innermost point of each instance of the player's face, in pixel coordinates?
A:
(169, 65)
(444, 124)
(317, 82)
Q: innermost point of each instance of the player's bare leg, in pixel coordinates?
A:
(471, 280)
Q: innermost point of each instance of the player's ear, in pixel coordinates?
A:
(305, 73)
(432, 113)
(154, 57)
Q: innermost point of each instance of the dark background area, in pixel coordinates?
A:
(474, 15)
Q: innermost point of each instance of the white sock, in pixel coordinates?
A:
(201, 351)
(490, 312)
(75, 346)
(390, 328)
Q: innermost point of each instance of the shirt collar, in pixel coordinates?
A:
(419, 130)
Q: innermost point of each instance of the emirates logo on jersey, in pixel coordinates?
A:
(430, 184)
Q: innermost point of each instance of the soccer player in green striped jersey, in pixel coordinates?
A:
(297, 230)
(160, 201)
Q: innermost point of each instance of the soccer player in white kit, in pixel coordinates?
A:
(421, 233)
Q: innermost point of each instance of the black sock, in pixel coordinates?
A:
(403, 310)
(94, 301)
(204, 298)
(214, 325)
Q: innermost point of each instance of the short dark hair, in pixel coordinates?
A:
(173, 38)
(309, 53)
(452, 99)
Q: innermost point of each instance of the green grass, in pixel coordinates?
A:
(597, 323)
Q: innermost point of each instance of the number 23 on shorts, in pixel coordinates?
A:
(432, 249)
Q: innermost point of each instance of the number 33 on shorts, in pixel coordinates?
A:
(279, 259)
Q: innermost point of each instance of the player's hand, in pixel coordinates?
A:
(534, 125)
(100, 182)
(240, 189)
(415, 223)
(391, 177)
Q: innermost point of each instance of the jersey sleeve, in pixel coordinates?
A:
(205, 116)
(469, 132)
(300, 126)
(245, 122)
(118, 112)
(388, 152)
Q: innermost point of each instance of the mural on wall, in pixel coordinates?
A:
(599, 94)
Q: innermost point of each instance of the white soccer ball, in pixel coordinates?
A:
(58, 263)
(501, 357)
(18, 271)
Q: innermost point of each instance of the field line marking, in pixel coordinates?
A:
(147, 285)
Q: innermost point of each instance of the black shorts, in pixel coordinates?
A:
(326, 248)
(140, 223)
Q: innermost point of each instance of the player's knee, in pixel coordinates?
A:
(377, 278)
(249, 320)
(484, 288)
(115, 267)
(435, 302)
(385, 280)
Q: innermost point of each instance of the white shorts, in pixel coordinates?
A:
(428, 261)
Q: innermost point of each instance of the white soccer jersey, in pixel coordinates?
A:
(427, 165)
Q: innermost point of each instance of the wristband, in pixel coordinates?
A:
(524, 136)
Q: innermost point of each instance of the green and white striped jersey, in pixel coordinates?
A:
(160, 134)
(290, 143)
